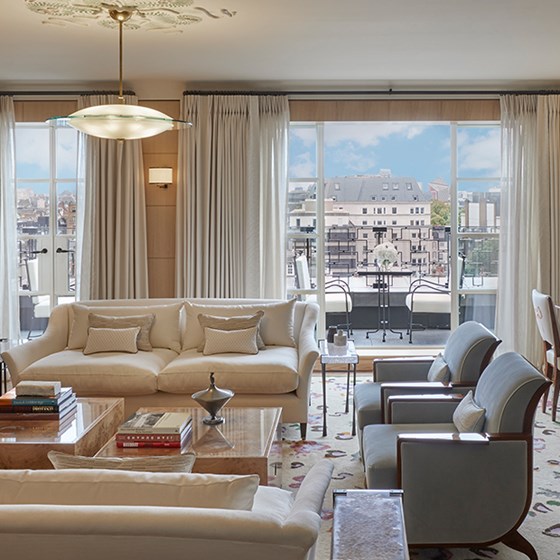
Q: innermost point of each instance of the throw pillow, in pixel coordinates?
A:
(439, 370)
(142, 321)
(231, 324)
(112, 340)
(243, 341)
(468, 416)
(276, 327)
(165, 332)
(126, 488)
(164, 463)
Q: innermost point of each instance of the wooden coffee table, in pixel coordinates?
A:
(24, 444)
(248, 442)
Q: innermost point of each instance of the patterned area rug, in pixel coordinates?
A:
(541, 527)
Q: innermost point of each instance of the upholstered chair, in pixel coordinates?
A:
(468, 480)
(467, 352)
(545, 314)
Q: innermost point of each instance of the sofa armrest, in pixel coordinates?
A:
(308, 351)
(480, 479)
(401, 369)
(54, 339)
(421, 409)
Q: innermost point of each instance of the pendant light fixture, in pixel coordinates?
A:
(120, 121)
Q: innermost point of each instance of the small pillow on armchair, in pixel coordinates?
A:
(231, 324)
(112, 340)
(439, 370)
(243, 341)
(165, 463)
(468, 416)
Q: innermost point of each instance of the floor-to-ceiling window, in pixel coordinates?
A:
(431, 190)
(46, 199)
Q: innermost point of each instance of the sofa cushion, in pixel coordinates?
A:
(182, 462)
(271, 371)
(105, 487)
(108, 374)
(165, 331)
(143, 321)
(231, 324)
(276, 327)
(242, 341)
(112, 340)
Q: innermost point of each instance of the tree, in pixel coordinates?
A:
(440, 213)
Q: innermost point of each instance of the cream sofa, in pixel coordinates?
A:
(91, 514)
(278, 375)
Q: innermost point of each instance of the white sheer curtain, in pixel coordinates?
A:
(530, 234)
(231, 197)
(9, 308)
(113, 257)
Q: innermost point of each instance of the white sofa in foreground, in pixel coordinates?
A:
(91, 514)
(173, 367)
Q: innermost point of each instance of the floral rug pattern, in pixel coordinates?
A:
(541, 526)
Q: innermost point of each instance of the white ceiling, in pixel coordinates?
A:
(295, 44)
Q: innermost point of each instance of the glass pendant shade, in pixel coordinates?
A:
(120, 121)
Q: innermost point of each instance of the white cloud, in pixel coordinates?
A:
(307, 135)
(360, 162)
(480, 153)
(304, 166)
(368, 134)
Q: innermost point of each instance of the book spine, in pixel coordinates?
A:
(149, 437)
(35, 401)
(153, 430)
(30, 408)
(147, 444)
(16, 416)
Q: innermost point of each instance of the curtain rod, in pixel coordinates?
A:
(389, 91)
(72, 93)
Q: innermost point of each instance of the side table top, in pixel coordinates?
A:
(332, 354)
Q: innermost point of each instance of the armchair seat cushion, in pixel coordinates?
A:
(108, 373)
(429, 302)
(335, 302)
(273, 370)
(379, 450)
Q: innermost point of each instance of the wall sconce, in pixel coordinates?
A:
(160, 176)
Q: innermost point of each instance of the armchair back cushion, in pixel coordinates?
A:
(467, 351)
(505, 390)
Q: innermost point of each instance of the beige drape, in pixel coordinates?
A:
(112, 245)
(530, 234)
(9, 309)
(231, 197)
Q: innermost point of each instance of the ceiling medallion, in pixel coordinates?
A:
(150, 15)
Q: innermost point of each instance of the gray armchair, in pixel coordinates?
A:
(467, 352)
(465, 487)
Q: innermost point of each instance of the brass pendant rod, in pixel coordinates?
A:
(121, 96)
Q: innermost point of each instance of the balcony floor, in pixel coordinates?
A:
(423, 338)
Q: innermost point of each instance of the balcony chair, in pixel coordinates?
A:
(338, 298)
(468, 351)
(545, 313)
(427, 296)
(467, 481)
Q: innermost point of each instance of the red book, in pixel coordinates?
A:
(149, 437)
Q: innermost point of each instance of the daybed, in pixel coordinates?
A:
(91, 514)
(174, 368)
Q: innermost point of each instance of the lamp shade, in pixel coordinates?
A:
(120, 122)
(160, 175)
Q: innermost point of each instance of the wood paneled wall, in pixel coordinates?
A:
(161, 151)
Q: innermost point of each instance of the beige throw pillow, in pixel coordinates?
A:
(231, 324)
(276, 327)
(243, 341)
(468, 416)
(165, 332)
(112, 340)
(142, 321)
(125, 488)
(164, 463)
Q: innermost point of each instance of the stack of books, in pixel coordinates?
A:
(38, 401)
(155, 429)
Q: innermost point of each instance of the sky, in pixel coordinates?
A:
(418, 150)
